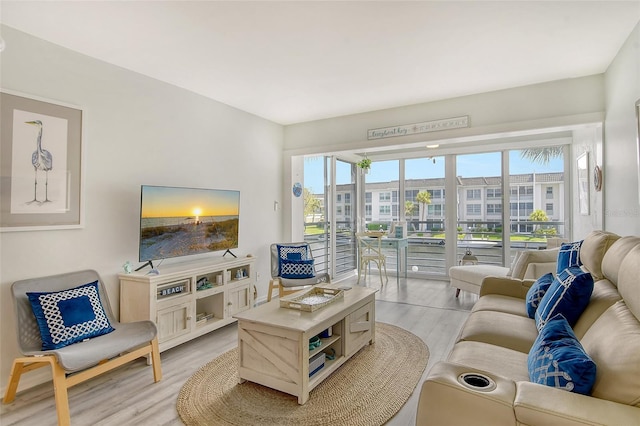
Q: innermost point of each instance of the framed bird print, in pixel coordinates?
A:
(40, 163)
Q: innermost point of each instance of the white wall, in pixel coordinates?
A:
(563, 102)
(620, 171)
(137, 131)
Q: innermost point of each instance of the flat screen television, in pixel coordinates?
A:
(186, 221)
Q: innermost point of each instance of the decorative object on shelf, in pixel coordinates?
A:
(203, 284)
(330, 354)
(364, 164)
(41, 181)
(597, 178)
(168, 291)
(327, 333)
(127, 267)
(297, 189)
(314, 342)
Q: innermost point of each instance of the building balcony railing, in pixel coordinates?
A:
(427, 239)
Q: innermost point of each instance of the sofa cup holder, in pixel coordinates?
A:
(477, 382)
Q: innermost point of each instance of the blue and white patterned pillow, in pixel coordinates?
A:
(569, 255)
(536, 292)
(557, 359)
(291, 252)
(297, 269)
(69, 316)
(568, 295)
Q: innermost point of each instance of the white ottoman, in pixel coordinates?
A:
(469, 277)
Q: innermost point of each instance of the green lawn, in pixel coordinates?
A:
(315, 230)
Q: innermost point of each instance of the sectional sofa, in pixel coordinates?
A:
(486, 377)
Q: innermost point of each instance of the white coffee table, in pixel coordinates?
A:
(273, 342)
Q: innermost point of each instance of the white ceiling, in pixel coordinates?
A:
(298, 61)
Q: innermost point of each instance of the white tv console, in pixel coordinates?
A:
(182, 312)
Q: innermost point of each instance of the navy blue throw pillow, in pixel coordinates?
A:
(297, 269)
(557, 359)
(568, 295)
(569, 255)
(291, 252)
(69, 316)
(536, 292)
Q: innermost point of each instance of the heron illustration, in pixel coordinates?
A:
(41, 160)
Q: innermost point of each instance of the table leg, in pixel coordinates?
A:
(398, 264)
(406, 260)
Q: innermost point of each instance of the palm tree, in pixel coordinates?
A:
(542, 155)
(423, 198)
(409, 208)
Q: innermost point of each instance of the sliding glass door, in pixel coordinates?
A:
(424, 210)
(316, 210)
(346, 213)
(494, 203)
(480, 227)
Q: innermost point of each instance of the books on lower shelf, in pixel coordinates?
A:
(203, 317)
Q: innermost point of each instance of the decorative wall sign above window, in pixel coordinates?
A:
(424, 127)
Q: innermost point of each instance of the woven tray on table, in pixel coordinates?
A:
(312, 299)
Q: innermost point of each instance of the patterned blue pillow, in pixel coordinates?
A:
(69, 316)
(557, 359)
(536, 292)
(291, 252)
(297, 269)
(569, 255)
(568, 295)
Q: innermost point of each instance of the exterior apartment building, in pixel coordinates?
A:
(479, 199)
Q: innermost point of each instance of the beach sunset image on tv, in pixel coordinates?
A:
(185, 221)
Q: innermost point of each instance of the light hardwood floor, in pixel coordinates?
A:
(128, 395)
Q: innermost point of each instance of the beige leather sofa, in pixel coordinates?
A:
(528, 264)
(492, 347)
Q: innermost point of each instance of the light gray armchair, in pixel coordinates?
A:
(292, 269)
(529, 264)
(79, 361)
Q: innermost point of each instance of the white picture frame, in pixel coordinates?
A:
(41, 167)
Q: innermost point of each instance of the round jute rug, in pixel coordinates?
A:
(366, 390)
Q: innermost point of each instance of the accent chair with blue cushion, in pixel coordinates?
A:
(293, 268)
(65, 321)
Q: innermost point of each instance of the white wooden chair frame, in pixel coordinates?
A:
(126, 346)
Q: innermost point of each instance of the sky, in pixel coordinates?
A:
(469, 165)
(163, 201)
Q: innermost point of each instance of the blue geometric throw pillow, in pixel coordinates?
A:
(568, 295)
(536, 292)
(569, 255)
(291, 252)
(297, 269)
(557, 359)
(69, 316)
